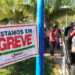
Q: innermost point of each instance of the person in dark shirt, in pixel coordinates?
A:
(67, 29)
(69, 36)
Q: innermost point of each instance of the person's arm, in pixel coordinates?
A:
(72, 33)
(56, 31)
(69, 36)
(51, 34)
(58, 35)
(73, 49)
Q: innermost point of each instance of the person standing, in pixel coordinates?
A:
(59, 32)
(56, 39)
(57, 45)
(69, 36)
(52, 39)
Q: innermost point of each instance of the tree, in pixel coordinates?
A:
(15, 10)
(62, 20)
(53, 9)
(18, 10)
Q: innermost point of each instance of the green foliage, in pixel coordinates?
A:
(16, 10)
(66, 2)
(48, 67)
(62, 20)
(62, 12)
(53, 10)
(27, 67)
(33, 1)
(10, 70)
(4, 21)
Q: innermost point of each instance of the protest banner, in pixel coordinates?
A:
(17, 43)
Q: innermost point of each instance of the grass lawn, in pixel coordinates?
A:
(27, 67)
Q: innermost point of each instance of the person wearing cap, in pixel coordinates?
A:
(69, 36)
(52, 39)
(67, 29)
(71, 29)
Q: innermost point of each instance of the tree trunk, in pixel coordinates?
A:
(47, 22)
(16, 21)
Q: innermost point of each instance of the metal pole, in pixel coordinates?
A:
(40, 22)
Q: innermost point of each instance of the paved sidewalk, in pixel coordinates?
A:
(57, 59)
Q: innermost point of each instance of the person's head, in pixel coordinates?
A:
(54, 28)
(72, 25)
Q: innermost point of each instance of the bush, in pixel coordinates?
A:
(27, 67)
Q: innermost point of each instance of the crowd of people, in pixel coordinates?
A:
(52, 35)
(51, 38)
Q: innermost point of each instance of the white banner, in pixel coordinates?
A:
(17, 43)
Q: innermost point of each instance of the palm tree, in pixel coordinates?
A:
(15, 10)
(18, 10)
(53, 9)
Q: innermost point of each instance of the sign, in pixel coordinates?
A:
(18, 43)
